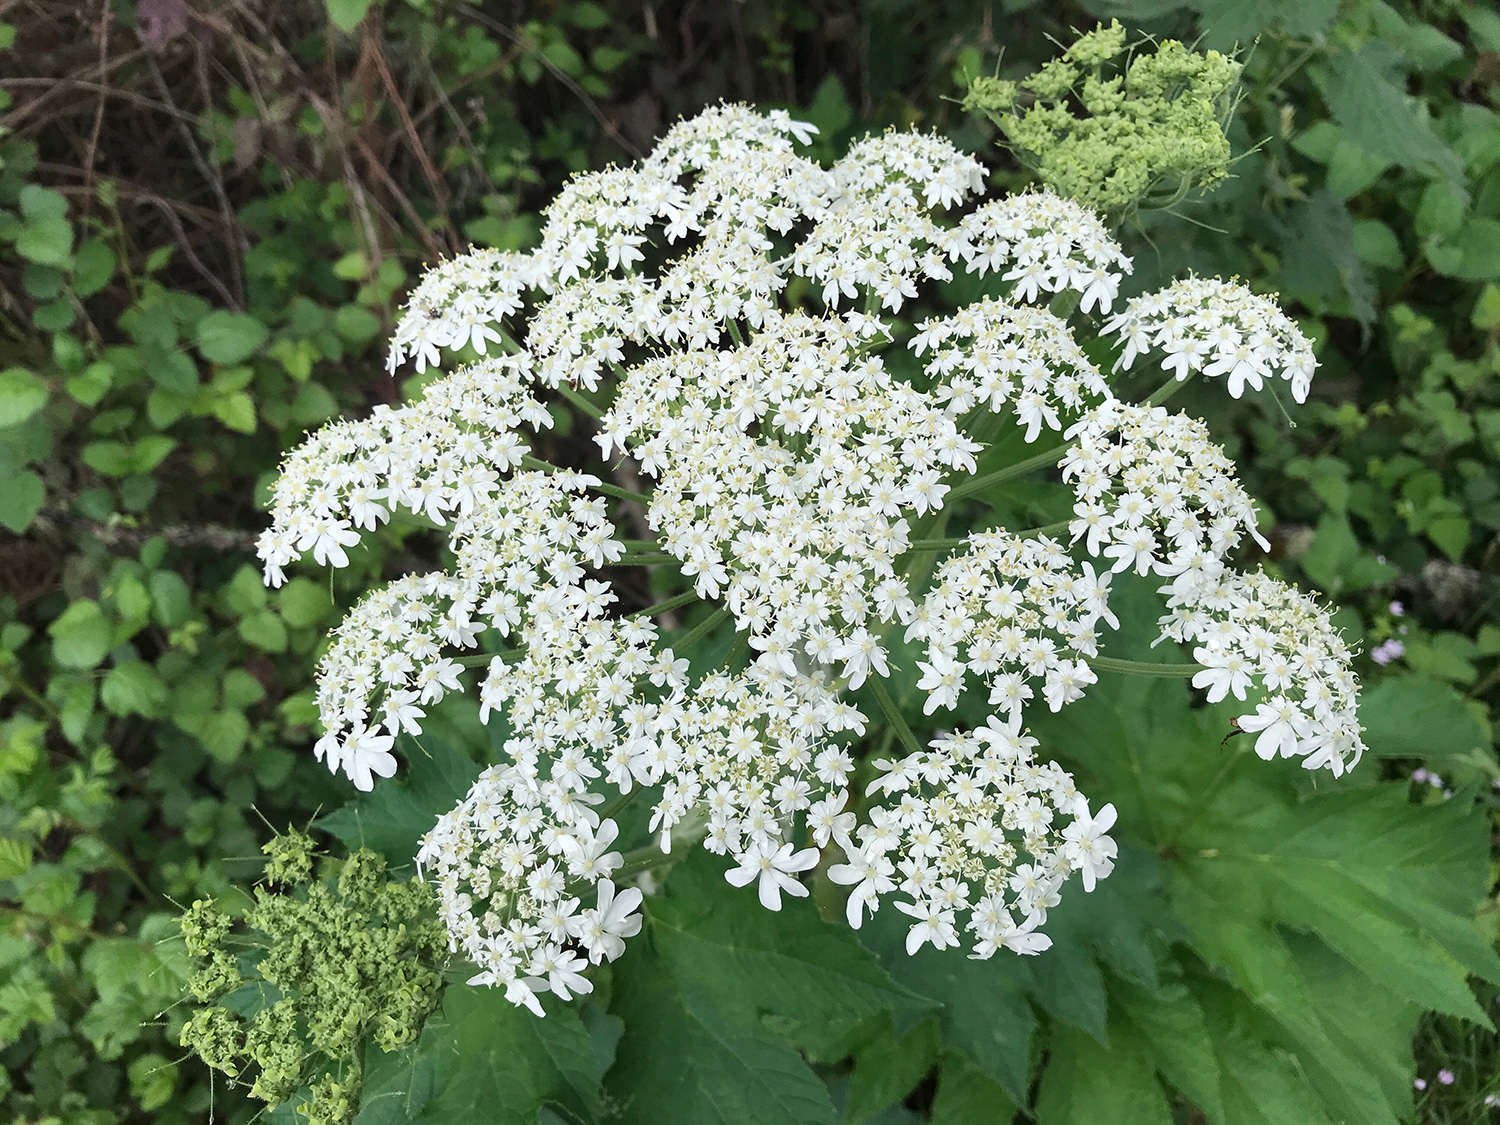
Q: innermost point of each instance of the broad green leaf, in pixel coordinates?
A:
(1169, 1023)
(483, 1059)
(394, 816)
(685, 1061)
(15, 857)
(967, 1096)
(81, 635)
(1084, 1081)
(985, 1015)
(303, 602)
(22, 394)
(1415, 717)
(229, 337)
(719, 943)
(888, 1068)
(1373, 112)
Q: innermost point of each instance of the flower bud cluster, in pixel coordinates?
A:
(1219, 328)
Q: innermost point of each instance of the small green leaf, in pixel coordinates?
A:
(229, 337)
(265, 631)
(15, 857)
(81, 635)
(237, 412)
(134, 688)
(346, 14)
(20, 500)
(22, 394)
(304, 602)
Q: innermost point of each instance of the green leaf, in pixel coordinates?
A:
(1087, 1082)
(304, 602)
(888, 1068)
(984, 1015)
(134, 688)
(93, 266)
(346, 14)
(483, 1059)
(966, 1096)
(265, 631)
(396, 814)
(81, 636)
(224, 734)
(15, 857)
(237, 412)
(1415, 717)
(1388, 886)
(22, 394)
(719, 944)
(684, 1061)
(1374, 113)
(356, 324)
(20, 500)
(229, 337)
(1169, 1023)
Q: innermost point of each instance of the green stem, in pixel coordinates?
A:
(667, 606)
(530, 462)
(583, 404)
(701, 630)
(1020, 468)
(32, 694)
(893, 714)
(659, 558)
(1167, 390)
(741, 643)
(1045, 529)
(1143, 668)
(482, 659)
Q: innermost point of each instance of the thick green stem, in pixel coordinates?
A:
(1167, 390)
(1144, 668)
(667, 606)
(659, 558)
(703, 628)
(893, 714)
(1020, 468)
(530, 462)
(577, 400)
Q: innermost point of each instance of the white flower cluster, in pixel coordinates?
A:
(783, 469)
(1251, 630)
(881, 237)
(1048, 243)
(997, 353)
(1153, 493)
(1219, 328)
(973, 824)
(786, 459)
(1010, 610)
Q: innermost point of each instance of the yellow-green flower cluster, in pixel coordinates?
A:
(324, 963)
(1144, 136)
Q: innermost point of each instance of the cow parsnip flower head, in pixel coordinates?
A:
(720, 312)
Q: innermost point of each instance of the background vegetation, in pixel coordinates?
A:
(208, 215)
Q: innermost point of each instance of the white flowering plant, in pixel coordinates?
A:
(727, 315)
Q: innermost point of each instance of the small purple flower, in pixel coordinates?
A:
(1398, 610)
(1387, 651)
(1419, 1083)
(1446, 1077)
(1492, 1100)
(1420, 775)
